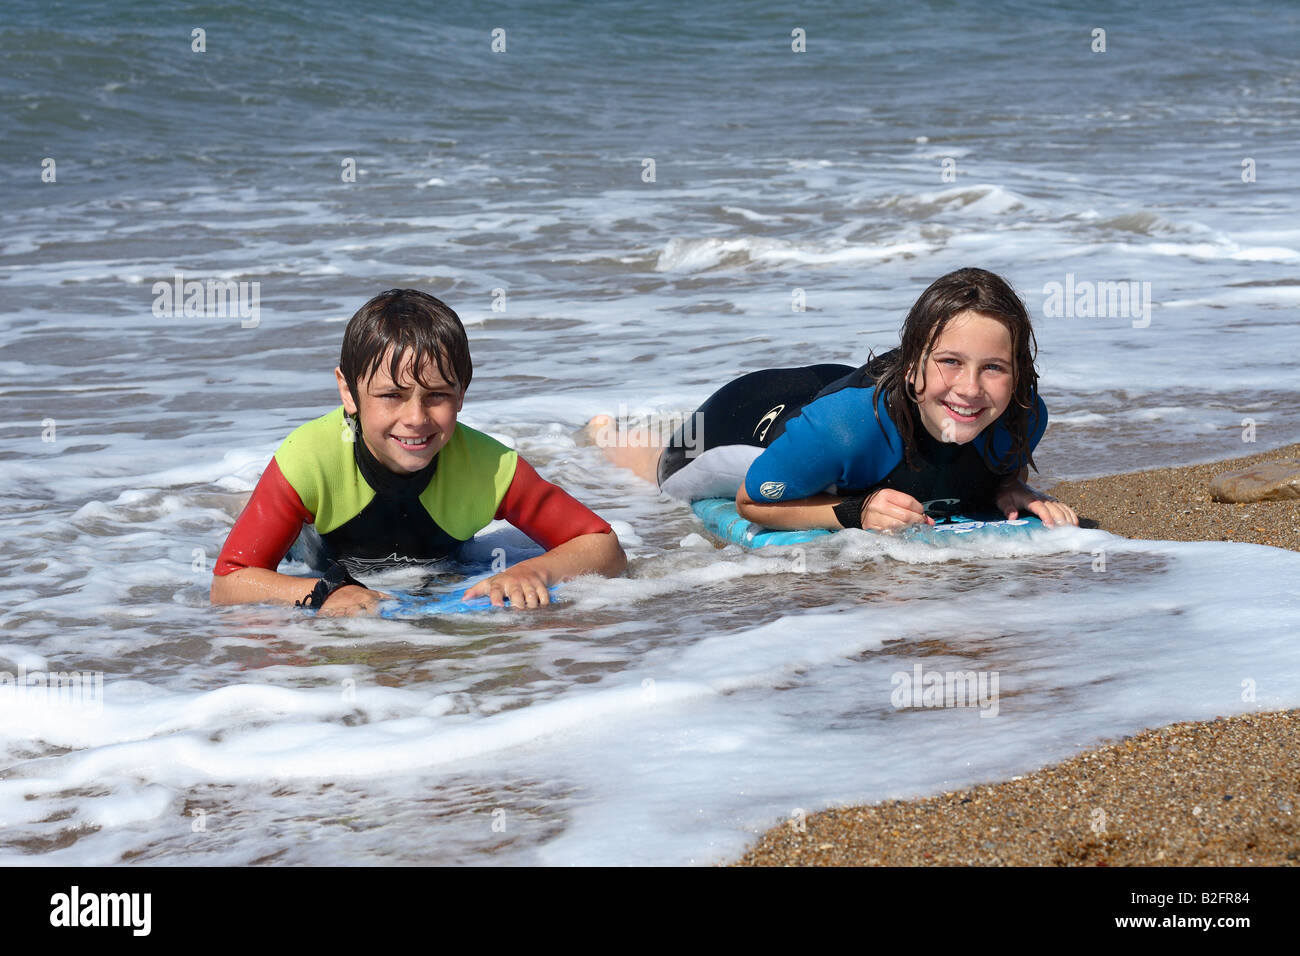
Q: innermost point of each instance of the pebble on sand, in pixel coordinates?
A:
(1267, 481)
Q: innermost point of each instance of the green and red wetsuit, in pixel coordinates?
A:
(370, 518)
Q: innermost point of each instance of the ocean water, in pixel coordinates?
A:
(669, 716)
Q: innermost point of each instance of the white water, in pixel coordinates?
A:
(664, 718)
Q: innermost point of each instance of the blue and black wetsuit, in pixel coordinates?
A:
(788, 434)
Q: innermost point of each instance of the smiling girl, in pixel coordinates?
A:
(945, 423)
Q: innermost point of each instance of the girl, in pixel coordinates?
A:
(945, 423)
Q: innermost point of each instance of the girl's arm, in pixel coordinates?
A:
(822, 447)
(885, 510)
(816, 511)
(1014, 496)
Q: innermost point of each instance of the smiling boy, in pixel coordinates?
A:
(390, 478)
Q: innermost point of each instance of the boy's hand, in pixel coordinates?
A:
(524, 586)
(351, 599)
(890, 510)
(1015, 496)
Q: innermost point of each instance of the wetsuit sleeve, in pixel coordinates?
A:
(790, 469)
(545, 512)
(834, 440)
(267, 527)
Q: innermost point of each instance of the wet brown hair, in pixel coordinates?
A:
(409, 322)
(965, 289)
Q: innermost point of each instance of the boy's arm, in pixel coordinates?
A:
(266, 529)
(576, 539)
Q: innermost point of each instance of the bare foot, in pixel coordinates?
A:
(589, 433)
(636, 449)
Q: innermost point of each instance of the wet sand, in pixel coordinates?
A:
(1215, 793)
(1174, 504)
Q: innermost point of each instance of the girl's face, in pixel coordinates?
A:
(968, 378)
(402, 423)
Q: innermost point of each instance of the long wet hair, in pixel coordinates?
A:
(971, 289)
(405, 320)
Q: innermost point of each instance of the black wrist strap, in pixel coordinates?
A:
(336, 577)
(849, 511)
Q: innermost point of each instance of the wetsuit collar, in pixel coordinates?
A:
(933, 450)
(386, 482)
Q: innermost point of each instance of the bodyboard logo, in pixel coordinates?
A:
(772, 489)
(941, 507)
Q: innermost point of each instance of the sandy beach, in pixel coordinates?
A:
(1223, 792)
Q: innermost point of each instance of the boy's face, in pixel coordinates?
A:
(402, 423)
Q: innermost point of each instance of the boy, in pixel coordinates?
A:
(390, 478)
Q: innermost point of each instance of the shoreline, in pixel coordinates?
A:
(1174, 504)
(1221, 792)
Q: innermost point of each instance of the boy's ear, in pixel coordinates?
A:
(349, 403)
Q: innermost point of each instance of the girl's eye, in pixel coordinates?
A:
(996, 368)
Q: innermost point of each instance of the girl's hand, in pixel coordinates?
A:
(890, 510)
(351, 599)
(1016, 496)
(524, 586)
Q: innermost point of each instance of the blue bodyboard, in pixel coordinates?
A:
(721, 518)
(406, 605)
(473, 562)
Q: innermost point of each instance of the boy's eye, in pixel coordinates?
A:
(433, 398)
